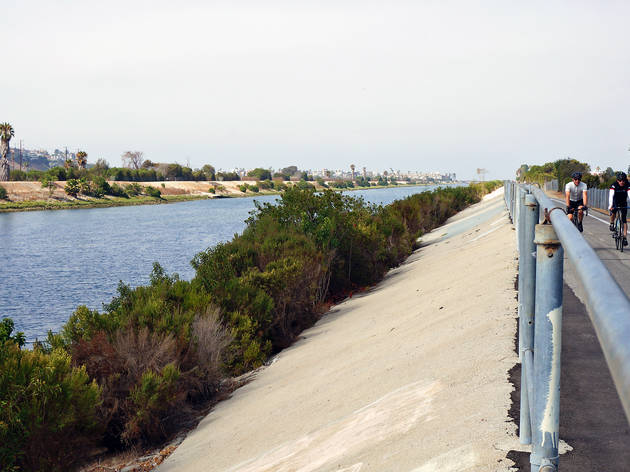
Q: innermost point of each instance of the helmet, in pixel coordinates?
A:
(576, 175)
(621, 176)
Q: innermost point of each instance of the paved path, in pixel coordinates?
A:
(592, 420)
(411, 376)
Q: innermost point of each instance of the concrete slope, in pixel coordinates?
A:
(410, 376)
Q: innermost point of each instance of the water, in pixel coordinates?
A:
(53, 261)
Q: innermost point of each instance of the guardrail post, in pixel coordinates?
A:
(547, 349)
(520, 195)
(527, 296)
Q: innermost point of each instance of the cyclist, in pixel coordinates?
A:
(618, 201)
(576, 197)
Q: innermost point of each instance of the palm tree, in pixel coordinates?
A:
(6, 133)
(68, 163)
(352, 169)
(81, 159)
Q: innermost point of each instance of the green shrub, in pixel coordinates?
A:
(157, 348)
(155, 395)
(144, 329)
(254, 188)
(118, 191)
(72, 187)
(47, 410)
(101, 186)
(3, 193)
(304, 185)
(133, 190)
(211, 190)
(6, 328)
(153, 192)
(243, 187)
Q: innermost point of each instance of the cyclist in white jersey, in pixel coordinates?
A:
(576, 197)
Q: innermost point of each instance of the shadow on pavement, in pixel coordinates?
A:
(592, 420)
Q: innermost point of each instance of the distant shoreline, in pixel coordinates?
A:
(29, 196)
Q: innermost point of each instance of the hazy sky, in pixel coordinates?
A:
(412, 85)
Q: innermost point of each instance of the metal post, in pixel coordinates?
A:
(512, 193)
(527, 273)
(517, 226)
(547, 349)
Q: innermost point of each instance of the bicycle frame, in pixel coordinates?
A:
(576, 214)
(618, 232)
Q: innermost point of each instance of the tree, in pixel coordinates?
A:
(101, 167)
(352, 169)
(609, 173)
(209, 171)
(260, 173)
(81, 159)
(133, 159)
(6, 133)
(565, 167)
(290, 170)
(68, 163)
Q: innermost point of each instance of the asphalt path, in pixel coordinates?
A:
(599, 237)
(592, 420)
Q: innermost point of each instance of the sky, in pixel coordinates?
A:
(449, 86)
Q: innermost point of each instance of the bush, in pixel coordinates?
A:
(243, 188)
(155, 395)
(133, 190)
(126, 349)
(157, 349)
(101, 186)
(3, 193)
(211, 190)
(6, 328)
(152, 192)
(47, 409)
(117, 191)
(72, 187)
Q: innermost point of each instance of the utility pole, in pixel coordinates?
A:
(20, 154)
(482, 173)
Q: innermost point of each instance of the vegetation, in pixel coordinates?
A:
(260, 174)
(156, 351)
(82, 159)
(6, 133)
(561, 171)
(3, 193)
(47, 407)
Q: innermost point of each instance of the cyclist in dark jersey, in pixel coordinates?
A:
(618, 202)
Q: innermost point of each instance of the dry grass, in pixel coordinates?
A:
(144, 350)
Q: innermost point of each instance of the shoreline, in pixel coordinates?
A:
(231, 191)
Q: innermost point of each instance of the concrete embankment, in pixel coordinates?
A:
(409, 376)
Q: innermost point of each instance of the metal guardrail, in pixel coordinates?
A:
(541, 249)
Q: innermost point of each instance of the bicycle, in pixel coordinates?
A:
(575, 212)
(618, 231)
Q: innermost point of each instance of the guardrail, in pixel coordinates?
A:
(541, 249)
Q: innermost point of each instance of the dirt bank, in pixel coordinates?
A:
(21, 191)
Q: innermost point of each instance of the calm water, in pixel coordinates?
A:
(53, 261)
